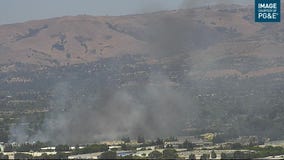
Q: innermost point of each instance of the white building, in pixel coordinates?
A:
(86, 156)
(113, 148)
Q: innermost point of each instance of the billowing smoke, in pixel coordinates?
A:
(159, 107)
(155, 110)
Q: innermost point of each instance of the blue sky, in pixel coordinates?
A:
(13, 11)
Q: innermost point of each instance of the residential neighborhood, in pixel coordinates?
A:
(183, 147)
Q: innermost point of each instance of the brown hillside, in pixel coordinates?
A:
(203, 34)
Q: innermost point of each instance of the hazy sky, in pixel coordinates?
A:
(12, 11)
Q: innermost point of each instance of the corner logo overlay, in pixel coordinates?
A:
(267, 11)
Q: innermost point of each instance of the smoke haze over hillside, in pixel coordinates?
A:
(154, 110)
(217, 92)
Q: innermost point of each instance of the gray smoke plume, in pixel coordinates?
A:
(156, 110)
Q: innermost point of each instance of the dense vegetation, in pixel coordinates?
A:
(25, 147)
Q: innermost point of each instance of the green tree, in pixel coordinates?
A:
(170, 154)
(38, 145)
(22, 156)
(192, 157)
(140, 139)
(8, 148)
(108, 155)
(213, 154)
(125, 139)
(223, 156)
(4, 130)
(169, 146)
(205, 157)
(160, 142)
(236, 146)
(43, 156)
(218, 139)
(155, 155)
(127, 147)
(4, 136)
(171, 139)
(77, 149)
(60, 155)
(239, 155)
(61, 148)
(27, 147)
(188, 145)
(2, 156)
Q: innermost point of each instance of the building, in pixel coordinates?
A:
(174, 144)
(86, 156)
(114, 148)
(146, 148)
(48, 149)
